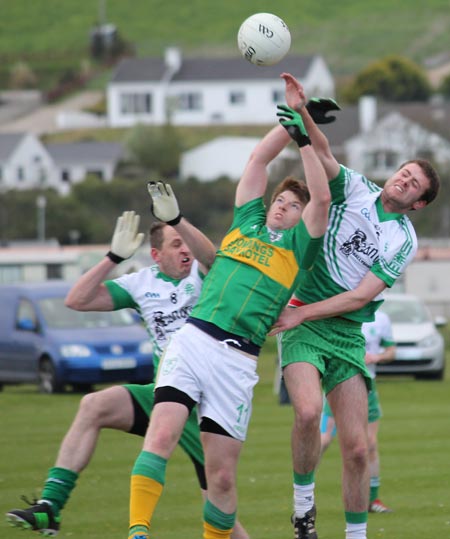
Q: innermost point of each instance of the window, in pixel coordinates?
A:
(278, 96)
(382, 159)
(140, 103)
(10, 274)
(20, 173)
(54, 271)
(237, 98)
(189, 101)
(65, 176)
(26, 312)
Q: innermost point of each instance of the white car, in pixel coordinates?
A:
(420, 345)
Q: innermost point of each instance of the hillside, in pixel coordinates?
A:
(349, 34)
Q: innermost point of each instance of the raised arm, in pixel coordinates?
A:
(253, 182)
(318, 140)
(89, 293)
(315, 213)
(165, 208)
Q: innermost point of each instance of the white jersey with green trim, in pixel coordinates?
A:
(163, 303)
(378, 335)
(360, 237)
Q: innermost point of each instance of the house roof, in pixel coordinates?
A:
(8, 143)
(197, 69)
(433, 117)
(86, 152)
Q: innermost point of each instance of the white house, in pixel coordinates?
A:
(25, 162)
(387, 140)
(376, 138)
(203, 91)
(75, 160)
(226, 156)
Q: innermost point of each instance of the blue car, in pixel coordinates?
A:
(44, 342)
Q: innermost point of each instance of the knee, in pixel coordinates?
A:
(357, 454)
(89, 406)
(221, 480)
(307, 417)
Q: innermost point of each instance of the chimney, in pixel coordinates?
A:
(367, 110)
(172, 59)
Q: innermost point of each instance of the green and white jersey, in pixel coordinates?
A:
(163, 303)
(378, 335)
(254, 274)
(360, 237)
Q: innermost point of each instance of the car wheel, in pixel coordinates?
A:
(82, 388)
(438, 375)
(47, 377)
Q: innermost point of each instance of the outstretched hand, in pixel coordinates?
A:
(294, 93)
(293, 123)
(319, 107)
(164, 203)
(126, 239)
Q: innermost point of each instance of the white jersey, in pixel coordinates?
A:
(360, 237)
(163, 303)
(378, 335)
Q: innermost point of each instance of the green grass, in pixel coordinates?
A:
(414, 444)
(349, 34)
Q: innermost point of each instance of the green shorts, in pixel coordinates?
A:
(143, 396)
(374, 406)
(335, 346)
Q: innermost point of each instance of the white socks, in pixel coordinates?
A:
(356, 531)
(303, 499)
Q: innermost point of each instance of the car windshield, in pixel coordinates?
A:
(58, 316)
(405, 311)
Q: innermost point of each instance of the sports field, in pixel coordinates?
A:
(415, 468)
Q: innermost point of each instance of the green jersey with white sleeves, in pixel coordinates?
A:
(360, 237)
(163, 303)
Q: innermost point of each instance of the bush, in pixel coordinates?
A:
(393, 78)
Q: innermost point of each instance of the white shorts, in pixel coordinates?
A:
(215, 375)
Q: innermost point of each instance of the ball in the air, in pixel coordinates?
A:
(264, 39)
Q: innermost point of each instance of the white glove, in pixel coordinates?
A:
(126, 240)
(164, 203)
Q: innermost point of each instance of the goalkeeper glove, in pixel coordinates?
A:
(126, 240)
(164, 203)
(318, 108)
(293, 123)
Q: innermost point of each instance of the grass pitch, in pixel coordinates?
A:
(414, 445)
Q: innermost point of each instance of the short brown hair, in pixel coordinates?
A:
(298, 187)
(157, 234)
(433, 178)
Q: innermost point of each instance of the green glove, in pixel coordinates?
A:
(164, 203)
(318, 107)
(293, 123)
(126, 240)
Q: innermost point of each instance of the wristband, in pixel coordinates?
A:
(175, 221)
(114, 258)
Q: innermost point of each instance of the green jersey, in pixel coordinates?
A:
(254, 274)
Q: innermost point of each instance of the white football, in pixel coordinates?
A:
(264, 39)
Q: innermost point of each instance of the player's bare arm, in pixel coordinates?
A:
(89, 293)
(368, 289)
(318, 140)
(165, 208)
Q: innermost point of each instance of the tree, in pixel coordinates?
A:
(157, 150)
(444, 88)
(393, 78)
